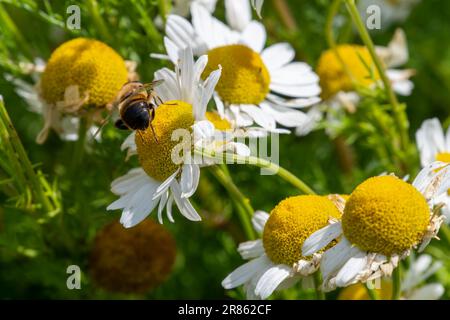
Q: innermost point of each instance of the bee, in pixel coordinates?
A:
(136, 104)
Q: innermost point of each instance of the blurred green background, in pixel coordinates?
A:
(34, 258)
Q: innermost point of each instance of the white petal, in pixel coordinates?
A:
(220, 106)
(162, 204)
(297, 91)
(293, 103)
(321, 238)
(183, 204)
(254, 36)
(259, 220)
(351, 269)
(403, 88)
(238, 14)
(251, 249)
(333, 259)
(171, 49)
(430, 140)
(203, 130)
(169, 208)
(213, 32)
(190, 177)
(285, 116)
(257, 4)
(165, 185)
(169, 89)
(141, 205)
(245, 272)
(130, 181)
(129, 143)
(262, 118)
(432, 291)
(277, 56)
(207, 93)
(295, 73)
(271, 279)
(199, 67)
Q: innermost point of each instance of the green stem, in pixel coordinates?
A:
(399, 115)
(79, 148)
(164, 8)
(99, 23)
(147, 23)
(371, 292)
(243, 206)
(261, 163)
(396, 283)
(333, 10)
(320, 295)
(25, 162)
(11, 26)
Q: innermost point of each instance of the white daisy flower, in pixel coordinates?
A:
(61, 93)
(384, 219)
(339, 92)
(258, 85)
(390, 11)
(432, 143)
(164, 176)
(433, 146)
(420, 270)
(276, 261)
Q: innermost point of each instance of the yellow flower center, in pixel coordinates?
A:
(334, 78)
(443, 157)
(291, 222)
(155, 155)
(358, 291)
(132, 260)
(385, 215)
(91, 65)
(217, 121)
(244, 78)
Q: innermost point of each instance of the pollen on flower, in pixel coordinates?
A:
(155, 155)
(385, 215)
(217, 121)
(358, 291)
(245, 78)
(91, 65)
(132, 260)
(334, 78)
(443, 157)
(291, 222)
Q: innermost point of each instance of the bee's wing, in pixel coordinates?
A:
(150, 86)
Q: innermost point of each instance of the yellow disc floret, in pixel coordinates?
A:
(334, 78)
(89, 64)
(443, 157)
(385, 215)
(358, 291)
(291, 222)
(244, 78)
(155, 153)
(132, 260)
(217, 121)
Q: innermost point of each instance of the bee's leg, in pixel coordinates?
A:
(159, 100)
(151, 113)
(154, 134)
(121, 125)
